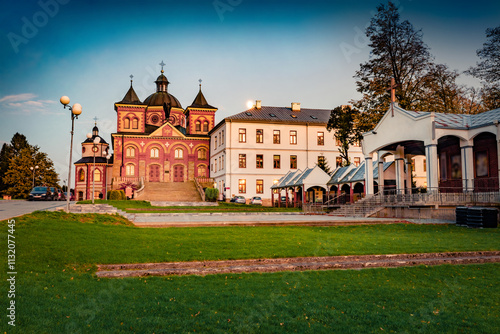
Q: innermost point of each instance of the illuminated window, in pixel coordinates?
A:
(293, 162)
(337, 142)
(243, 161)
(356, 143)
(202, 154)
(81, 175)
(97, 175)
(155, 153)
(259, 136)
(198, 126)
(179, 153)
(242, 135)
(338, 162)
(259, 161)
(321, 138)
(202, 170)
(276, 162)
(293, 137)
(259, 187)
(130, 170)
(242, 186)
(357, 161)
(130, 152)
(425, 165)
(276, 137)
(135, 123)
(126, 123)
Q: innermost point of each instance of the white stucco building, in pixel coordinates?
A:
(252, 150)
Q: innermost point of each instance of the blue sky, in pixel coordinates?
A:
(275, 51)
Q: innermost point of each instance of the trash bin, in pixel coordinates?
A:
(490, 218)
(461, 215)
(482, 217)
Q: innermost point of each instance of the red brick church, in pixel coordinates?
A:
(157, 140)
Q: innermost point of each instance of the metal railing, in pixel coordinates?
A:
(199, 187)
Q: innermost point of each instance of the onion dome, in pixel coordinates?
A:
(162, 96)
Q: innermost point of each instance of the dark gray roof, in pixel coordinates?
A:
(90, 160)
(284, 115)
(201, 102)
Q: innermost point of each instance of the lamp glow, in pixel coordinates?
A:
(249, 104)
(64, 100)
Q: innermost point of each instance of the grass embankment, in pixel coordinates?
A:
(57, 291)
(146, 207)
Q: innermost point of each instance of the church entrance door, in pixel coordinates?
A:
(178, 173)
(154, 173)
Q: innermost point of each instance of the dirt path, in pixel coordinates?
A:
(294, 264)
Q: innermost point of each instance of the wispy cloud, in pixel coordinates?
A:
(27, 103)
(17, 97)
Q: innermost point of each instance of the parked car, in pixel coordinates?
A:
(40, 194)
(283, 199)
(256, 200)
(239, 199)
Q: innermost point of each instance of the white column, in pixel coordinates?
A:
(408, 173)
(432, 167)
(368, 175)
(467, 167)
(399, 161)
(380, 173)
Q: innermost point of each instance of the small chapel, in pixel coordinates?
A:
(157, 140)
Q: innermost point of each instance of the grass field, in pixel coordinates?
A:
(146, 207)
(57, 291)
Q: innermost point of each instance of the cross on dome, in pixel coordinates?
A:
(162, 64)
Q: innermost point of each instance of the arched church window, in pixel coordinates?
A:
(202, 170)
(205, 126)
(135, 123)
(81, 175)
(130, 152)
(155, 153)
(202, 154)
(130, 170)
(97, 175)
(126, 123)
(179, 153)
(198, 126)
(83, 149)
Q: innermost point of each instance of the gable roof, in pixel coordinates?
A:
(456, 121)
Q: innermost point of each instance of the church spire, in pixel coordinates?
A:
(131, 97)
(200, 101)
(161, 81)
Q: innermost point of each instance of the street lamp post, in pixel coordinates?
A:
(33, 169)
(106, 178)
(75, 111)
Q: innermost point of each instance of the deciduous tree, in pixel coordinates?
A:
(342, 121)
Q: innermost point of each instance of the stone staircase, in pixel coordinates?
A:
(363, 208)
(170, 192)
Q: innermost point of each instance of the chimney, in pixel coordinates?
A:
(295, 106)
(258, 104)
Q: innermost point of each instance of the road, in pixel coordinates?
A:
(14, 208)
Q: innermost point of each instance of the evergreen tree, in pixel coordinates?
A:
(5, 156)
(323, 164)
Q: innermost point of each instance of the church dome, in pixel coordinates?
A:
(158, 98)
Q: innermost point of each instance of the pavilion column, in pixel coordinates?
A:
(351, 193)
(380, 174)
(432, 167)
(399, 161)
(272, 198)
(408, 174)
(467, 154)
(368, 175)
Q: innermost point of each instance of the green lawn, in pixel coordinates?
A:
(146, 207)
(57, 291)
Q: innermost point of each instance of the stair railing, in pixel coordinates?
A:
(199, 188)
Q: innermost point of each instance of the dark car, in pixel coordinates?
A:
(40, 194)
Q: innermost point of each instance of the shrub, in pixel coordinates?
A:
(122, 196)
(211, 194)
